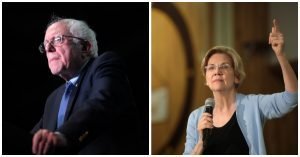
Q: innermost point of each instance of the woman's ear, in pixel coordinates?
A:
(206, 84)
(236, 80)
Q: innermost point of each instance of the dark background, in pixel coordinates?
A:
(27, 81)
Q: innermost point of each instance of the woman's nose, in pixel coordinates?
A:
(217, 71)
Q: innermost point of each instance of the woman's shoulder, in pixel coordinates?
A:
(249, 97)
(196, 112)
(260, 98)
(245, 97)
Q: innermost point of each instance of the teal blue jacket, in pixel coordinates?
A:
(252, 111)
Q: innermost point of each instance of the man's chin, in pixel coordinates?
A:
(55, 72)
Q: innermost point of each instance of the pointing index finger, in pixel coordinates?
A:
(275, 25)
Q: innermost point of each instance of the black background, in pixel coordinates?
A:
(27, 81)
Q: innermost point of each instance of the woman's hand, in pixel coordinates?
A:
(205, 122)
(276, 39)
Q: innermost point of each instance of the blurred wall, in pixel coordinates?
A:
(176, 49)
(244, 26)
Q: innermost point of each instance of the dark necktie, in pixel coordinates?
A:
(64, 104)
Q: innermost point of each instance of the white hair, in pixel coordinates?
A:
(80, 29)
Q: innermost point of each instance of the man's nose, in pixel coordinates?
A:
(49, 47)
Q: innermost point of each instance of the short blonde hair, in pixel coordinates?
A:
(236, 60)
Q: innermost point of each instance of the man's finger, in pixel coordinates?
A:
(40, 143)
(35, 141)
(41, 146)
(49, 143)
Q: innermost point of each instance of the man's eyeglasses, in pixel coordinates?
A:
(57, 41)
(213, 67)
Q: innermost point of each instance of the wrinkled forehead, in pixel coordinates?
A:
(219, 57)
(58, 28)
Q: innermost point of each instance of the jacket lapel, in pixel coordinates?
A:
(52, 120)
(72, 100)
(75, 91)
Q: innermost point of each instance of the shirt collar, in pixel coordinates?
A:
(74, 79)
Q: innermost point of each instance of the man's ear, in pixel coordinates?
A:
(86, 46)
(86, 49)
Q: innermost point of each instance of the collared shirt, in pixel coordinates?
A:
(74, 79)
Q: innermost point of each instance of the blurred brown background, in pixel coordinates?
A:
(183, 32)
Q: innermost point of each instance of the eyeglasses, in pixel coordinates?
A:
(213, 67)
(56, 41)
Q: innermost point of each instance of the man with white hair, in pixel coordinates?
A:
(89, 113)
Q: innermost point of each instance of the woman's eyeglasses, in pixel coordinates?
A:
(213, 67)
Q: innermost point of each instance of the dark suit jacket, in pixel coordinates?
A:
(101, 116)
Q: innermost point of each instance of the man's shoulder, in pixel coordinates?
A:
(107, 56)
(58, 89)
(55, 93)
(107, 59)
